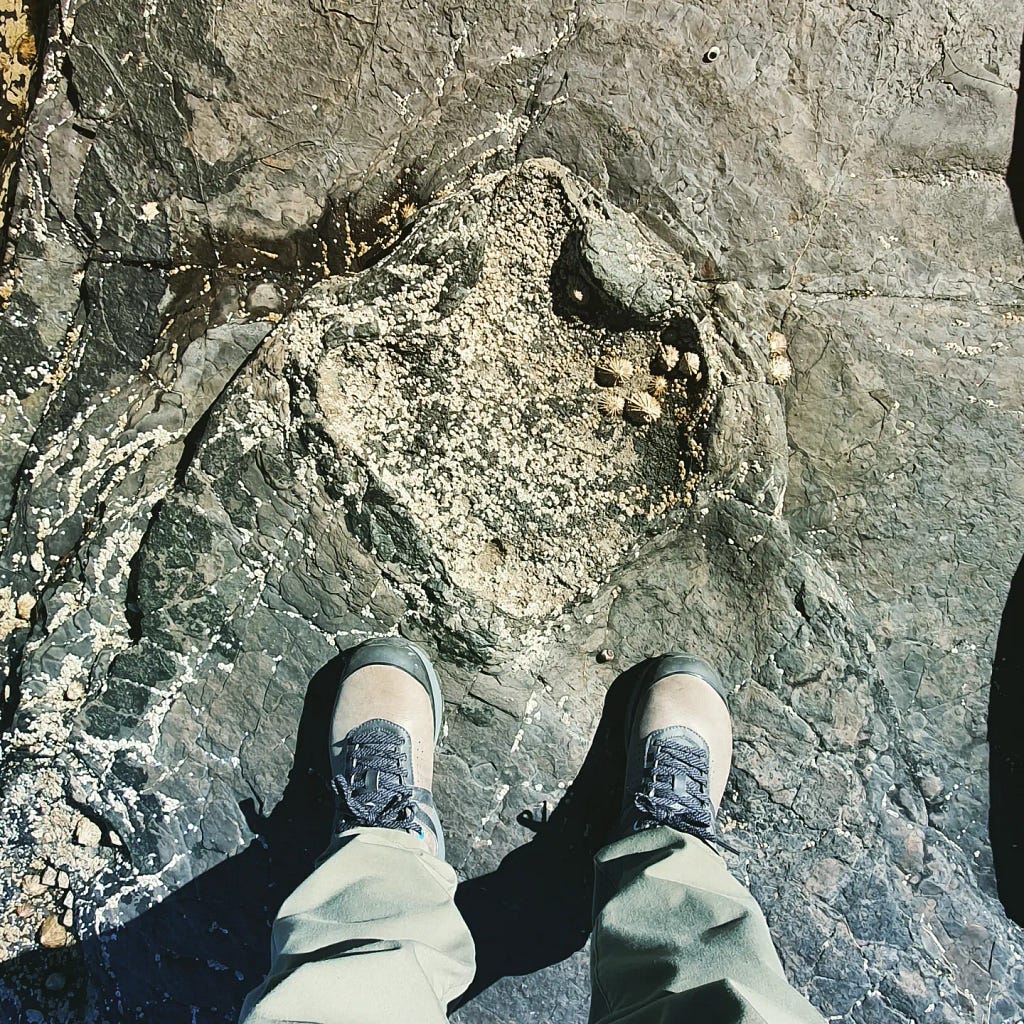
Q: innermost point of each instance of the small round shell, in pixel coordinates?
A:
(657, 387)
(691, 363)
(611, 403)
(665, 358)
(780, 369)
(777, 344)
(642, 408)
(613, 370)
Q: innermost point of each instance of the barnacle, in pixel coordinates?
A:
(665, 359)
(691, 363)
(777, 344)
(611, 403)
(408, 210)
(657, 387)
(780, 368)
(613, 370)
(642, 408)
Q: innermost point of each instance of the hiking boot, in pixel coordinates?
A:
(678, 748)
(385, 725)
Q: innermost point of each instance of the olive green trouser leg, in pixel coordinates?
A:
(677, 940)
(371, 937)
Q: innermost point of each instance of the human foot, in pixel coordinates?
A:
(679, 748)
(384, 727)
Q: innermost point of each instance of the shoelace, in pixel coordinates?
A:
(687, 812)
(391, 805)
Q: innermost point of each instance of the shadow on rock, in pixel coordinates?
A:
(1006, 756)
(195, 956)
(1015, 169)
(534, 909)
(44, 985)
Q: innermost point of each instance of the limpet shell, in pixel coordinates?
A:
(780, 369)
(642, 408)
(691, 363)
(611, 403)
(613, 370)
(777, 344)
(665, 358)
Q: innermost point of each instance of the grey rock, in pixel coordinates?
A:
(208, 507)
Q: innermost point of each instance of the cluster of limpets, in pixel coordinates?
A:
(780, 369)
(637, 396)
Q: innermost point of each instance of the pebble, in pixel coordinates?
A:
(55, 982)
(25, 604)
(49, 877)
(74, 690)
(87, 833)
(62, 880)
(52, 934)
(23, 910)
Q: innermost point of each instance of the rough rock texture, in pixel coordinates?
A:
(305, 302)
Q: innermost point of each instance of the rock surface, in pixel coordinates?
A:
(303, 307)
